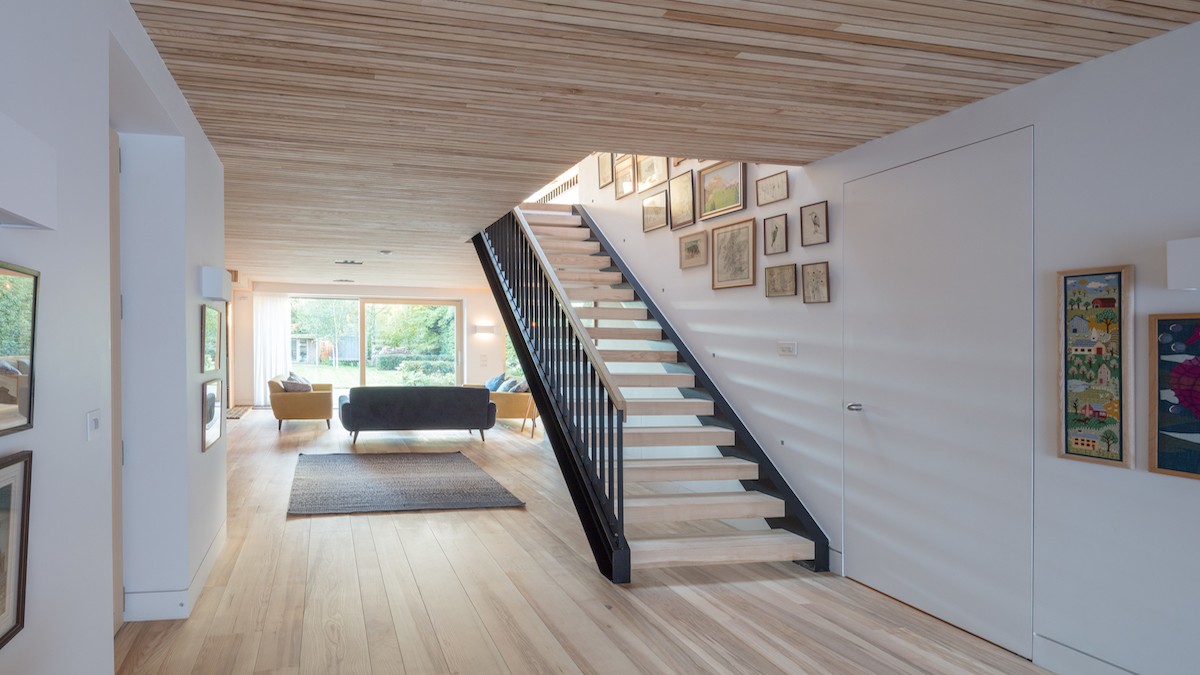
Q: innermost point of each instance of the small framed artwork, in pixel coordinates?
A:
(781, 280)
(733, 255)
(604, 169)
(1095, 311)
(693, 250)
(771, 189)
(775, 234)
(1175, 394)
(814, 282)
(722, 190)
(18, 320)
(654, 211)
(15, 481)
(623, 176)
(210, 339)
(683, 200)
(212, 414)
(651, 171)
(814, 224)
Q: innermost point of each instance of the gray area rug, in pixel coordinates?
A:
(350, 483)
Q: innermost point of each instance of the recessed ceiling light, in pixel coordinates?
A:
(347, 262)
(385, 252)
(343, 281)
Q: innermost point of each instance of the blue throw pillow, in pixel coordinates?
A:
(508, 385)
(521, 388)
(494, 383)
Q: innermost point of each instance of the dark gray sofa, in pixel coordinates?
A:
(403, 408)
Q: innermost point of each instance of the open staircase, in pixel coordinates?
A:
(654, 457)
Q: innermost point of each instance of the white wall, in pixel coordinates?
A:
(172, 223)
(53, 75)
(483, 355)
(1115, 160)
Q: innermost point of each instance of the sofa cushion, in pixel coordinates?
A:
(9, 369)
(293, 386)
(395, 408)
(508, 384)
(297, 378)
(521, 387)
(494, 383)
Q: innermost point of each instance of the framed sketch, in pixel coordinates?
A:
(775, 234)
(18, 319)
(693, 250)
(604, 169)
(15, 481)
(654, 211)
(722, 190)
(814, 224)
(814, 282)
(683, 200)
(771, 189)
(212, 414)
(1175, 394)
(781, 280)
(210, 339)
(1095, 311)
(623, 176)
(733, 255)
(651, 171)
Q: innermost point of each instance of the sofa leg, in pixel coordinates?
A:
(532, 427)
(280, 425)
(481, 435)
(353, 438)
(327, 425)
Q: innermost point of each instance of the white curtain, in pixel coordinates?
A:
(272, 334)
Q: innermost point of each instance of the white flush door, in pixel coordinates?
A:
(938, 292)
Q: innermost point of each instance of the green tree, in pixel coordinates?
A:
(1109, 318)
(1109, 437)
(326, 319)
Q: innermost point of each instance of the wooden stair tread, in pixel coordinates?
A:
(622, 313)
(669, 406)
(561, 232)
(716, 549)
(600, 293)
(669, 508)
(631, 333)
(663, 436)
(568, 275)
(578, 261)
(672, 380)
(689, 468)
(567, 246)
(639, 355)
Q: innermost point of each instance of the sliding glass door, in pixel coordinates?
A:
(411, 343)
(324, 345)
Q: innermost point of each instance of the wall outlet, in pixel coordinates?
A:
(787, 348)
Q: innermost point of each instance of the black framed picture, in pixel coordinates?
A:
(15, 479)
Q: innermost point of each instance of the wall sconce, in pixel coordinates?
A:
(484, 329)
(1183, 264)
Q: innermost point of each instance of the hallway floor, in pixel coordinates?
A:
(503, 590)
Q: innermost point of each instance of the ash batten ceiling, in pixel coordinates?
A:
(353, 126)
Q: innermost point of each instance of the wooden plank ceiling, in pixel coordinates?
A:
(352, 126)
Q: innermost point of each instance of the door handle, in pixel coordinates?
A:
(854, 407)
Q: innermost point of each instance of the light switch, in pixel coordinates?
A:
(93, 423)
(787, 348)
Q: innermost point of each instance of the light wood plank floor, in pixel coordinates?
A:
(503, 590)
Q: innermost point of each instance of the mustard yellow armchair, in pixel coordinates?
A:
(300, 405)
(514, 406)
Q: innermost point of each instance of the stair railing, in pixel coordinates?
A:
(572, 381)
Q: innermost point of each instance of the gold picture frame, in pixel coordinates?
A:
(722, 189)
(733, 255)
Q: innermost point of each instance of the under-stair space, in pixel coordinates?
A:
(693, 485)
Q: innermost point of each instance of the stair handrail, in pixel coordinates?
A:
(589, 348)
